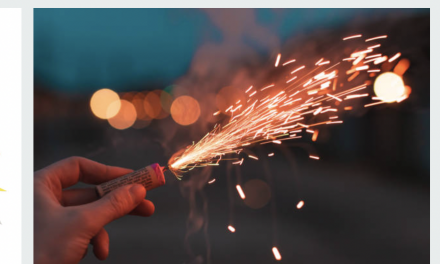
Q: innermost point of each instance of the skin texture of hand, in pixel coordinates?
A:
(67, 221)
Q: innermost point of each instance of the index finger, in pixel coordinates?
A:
(68, 172)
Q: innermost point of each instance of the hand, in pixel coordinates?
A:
(67, 221)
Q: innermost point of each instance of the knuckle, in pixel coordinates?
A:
(118, 203)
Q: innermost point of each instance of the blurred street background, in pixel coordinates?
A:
(365, 201)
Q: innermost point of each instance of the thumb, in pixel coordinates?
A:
(116, 204)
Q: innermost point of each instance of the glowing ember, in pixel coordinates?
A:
(309, 99)
(240, 192)
(352, 37)
(288, 62)
(316, 132)
(276, 253)
(376, 38)
(278, 60)
(300, 204)
(270, 155)
(211, 181)
(231, 228)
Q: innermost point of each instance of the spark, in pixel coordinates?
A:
(355, 96)
(276, 253)
(267, 87)
(315, 135)
(317, 111)
(291, 79)
(334, 122)
(278, 60)
(394, 57)
(374, 46)
(314, 157)
(300, 204)
(288, 62)
(377, 103)
(240, 191)
(211, 181)
(216, 113)
(334, 97)
(231, 228)
(249, 89)
(253, 157)
(352, 37)
(270, 154)
(298, 69)
(361, 68)
(375, 38)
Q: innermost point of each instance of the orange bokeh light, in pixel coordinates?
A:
(126, 116)
(101, 101)
(166, 101)
(185, 110)
(152, 105)
(138, 103)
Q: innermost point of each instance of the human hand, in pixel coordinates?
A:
(67, 221)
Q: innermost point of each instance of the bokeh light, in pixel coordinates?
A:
(389, 87)
(257, 193)
(185, 110)
(126, 116)
(152, 105)
(166, 100)
(138, 103)
(100, 102)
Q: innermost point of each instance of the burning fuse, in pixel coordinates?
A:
(150, 177)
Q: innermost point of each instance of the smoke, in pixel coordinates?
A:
(234, 61)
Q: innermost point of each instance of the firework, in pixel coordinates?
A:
(285, 109)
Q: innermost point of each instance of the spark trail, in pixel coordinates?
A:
(305, 98)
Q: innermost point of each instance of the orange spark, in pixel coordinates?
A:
(300, 204)
(270, 154)
(394, 57)
(276, 253)
(267, 87)
(231, 228)
(278, 60)
(240, 191)
(375, 38)
(253, 157)
(352, 37)
(298, 69)
(314, 157)
(291, 79)
(211, 181)
(315, 135)
(288, 62)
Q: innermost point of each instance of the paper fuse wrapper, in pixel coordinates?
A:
(150, 177)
